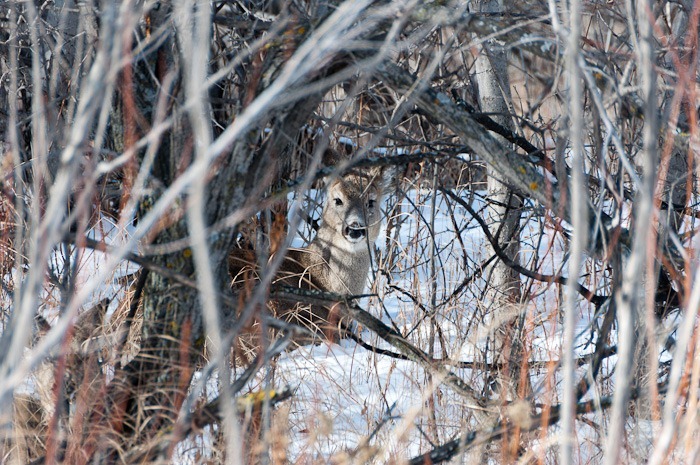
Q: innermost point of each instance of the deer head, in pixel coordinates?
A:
(351, 216)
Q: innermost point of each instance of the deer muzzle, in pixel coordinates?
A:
(355, 232)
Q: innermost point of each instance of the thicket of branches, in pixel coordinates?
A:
(532, 298)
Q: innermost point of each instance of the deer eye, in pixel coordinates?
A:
(338, 202)
(370, 204)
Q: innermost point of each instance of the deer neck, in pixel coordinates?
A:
(343, 268)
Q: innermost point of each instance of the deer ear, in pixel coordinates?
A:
(330, 159)
(388, 176)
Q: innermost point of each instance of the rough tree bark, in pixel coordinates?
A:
(503, 215)
(147, 394)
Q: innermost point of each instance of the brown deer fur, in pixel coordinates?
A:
(337, 260)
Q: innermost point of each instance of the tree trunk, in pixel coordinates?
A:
(147, 395)
(503, 215)
(504, 318)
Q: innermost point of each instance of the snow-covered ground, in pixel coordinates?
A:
(344, 395)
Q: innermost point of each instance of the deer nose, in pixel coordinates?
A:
(355, 231)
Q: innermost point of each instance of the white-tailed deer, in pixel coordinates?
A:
(337, 260)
